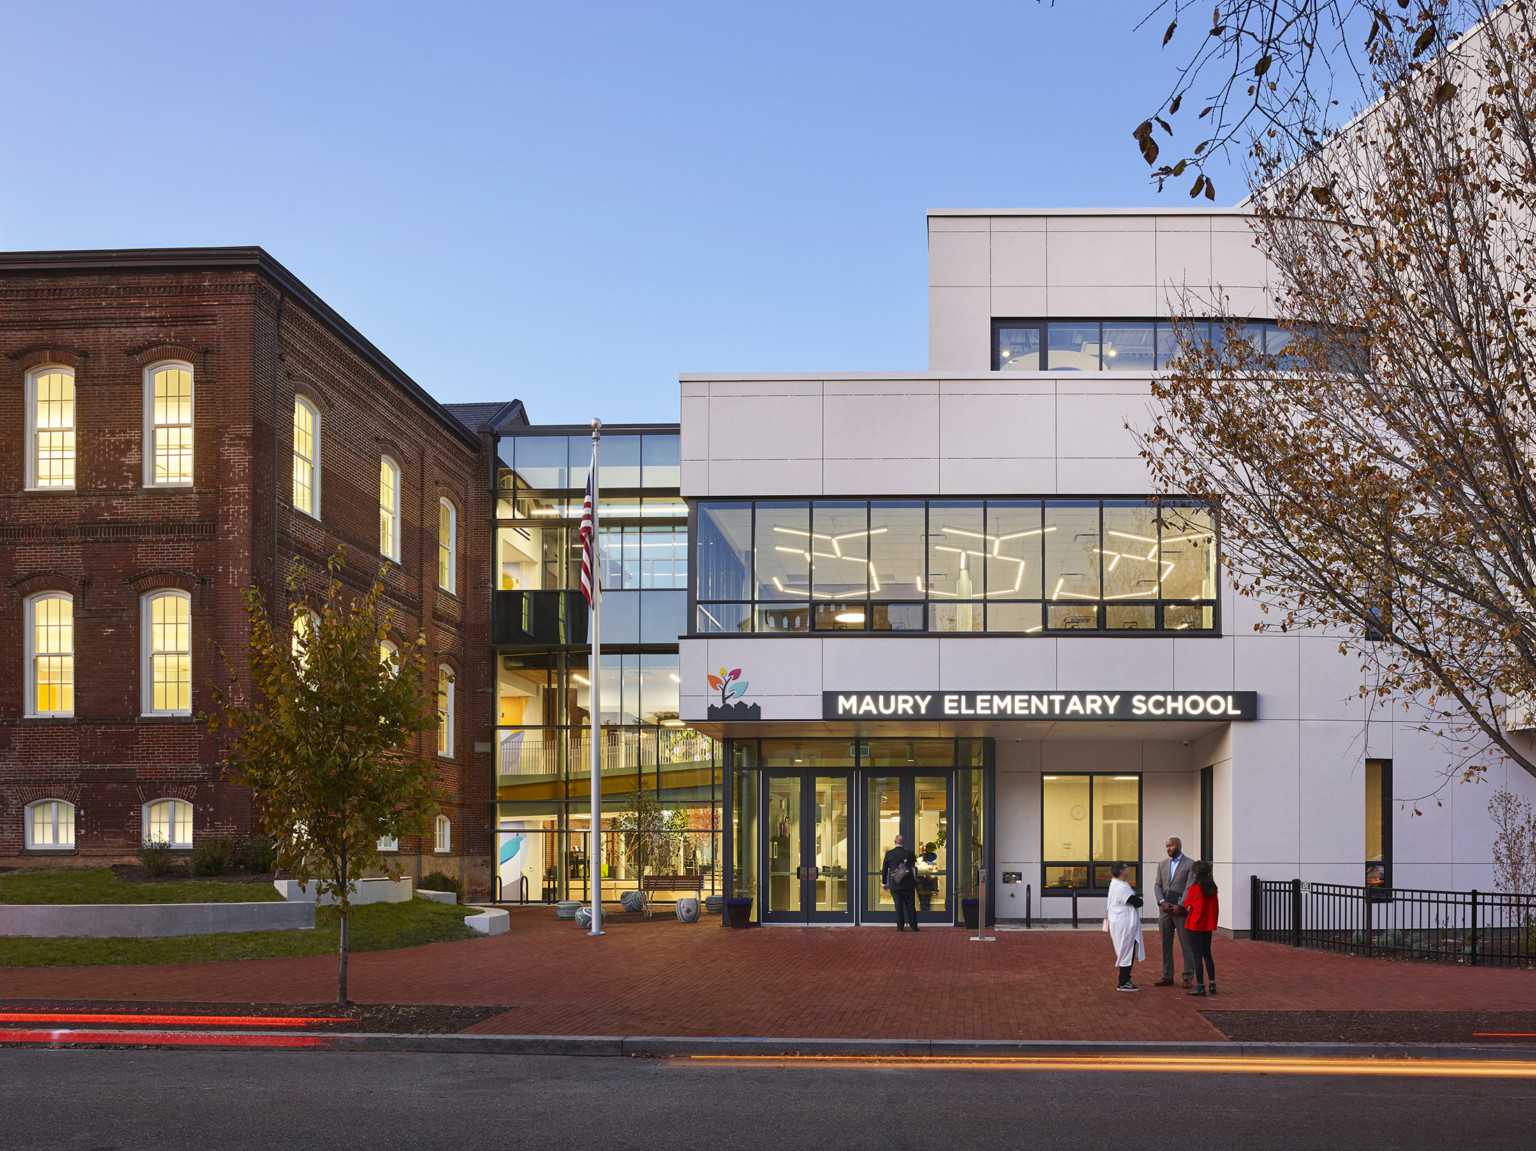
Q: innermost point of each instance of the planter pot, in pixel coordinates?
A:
(632, 901)
(739, 912)
(584, 916)
(714, 904)
(969, 912)
(566, 908)
(688, 909)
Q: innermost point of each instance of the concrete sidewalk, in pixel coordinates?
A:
(664, 978)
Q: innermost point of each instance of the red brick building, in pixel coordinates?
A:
(176, 426)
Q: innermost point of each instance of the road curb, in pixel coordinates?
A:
(661, 1046)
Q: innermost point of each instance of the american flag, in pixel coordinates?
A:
(589, 581)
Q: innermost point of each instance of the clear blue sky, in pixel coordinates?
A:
(571, 202)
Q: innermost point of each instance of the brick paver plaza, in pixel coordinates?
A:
(666, 978)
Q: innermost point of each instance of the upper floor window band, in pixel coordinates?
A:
(1094, 345)
(1008, 565)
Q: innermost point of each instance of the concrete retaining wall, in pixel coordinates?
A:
(151, 920)
(367, 891)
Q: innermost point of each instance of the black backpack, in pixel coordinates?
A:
(900, 875)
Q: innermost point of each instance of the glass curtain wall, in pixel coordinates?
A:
(544, 683)
(1014, 566)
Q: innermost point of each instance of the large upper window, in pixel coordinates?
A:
(1019, 566)
(168, 821)
(1114, 345)
(1087, 823)
(389, 508)
(626, 460)
(447, 544)
(50, 825)
(168, 424)
(445, 711)
(50, 654)
(167, 645)
(306, 457)
(50, 427)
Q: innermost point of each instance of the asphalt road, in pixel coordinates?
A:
(166, 1100)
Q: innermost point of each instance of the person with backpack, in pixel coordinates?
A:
(1201, 909)
(898, 875)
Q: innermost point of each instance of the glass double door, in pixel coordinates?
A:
(806, 841)
(916, 807)
(825, 837)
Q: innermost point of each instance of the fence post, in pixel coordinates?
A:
(1474, 927)
(1296, 913)
(1255, 909)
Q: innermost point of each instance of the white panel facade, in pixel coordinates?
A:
(1287, 793)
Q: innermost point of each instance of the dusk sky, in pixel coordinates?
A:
(572, 203)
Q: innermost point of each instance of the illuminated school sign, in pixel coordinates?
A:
(1038, 705)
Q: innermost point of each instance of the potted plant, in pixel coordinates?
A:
(738, 911)
(970, 905)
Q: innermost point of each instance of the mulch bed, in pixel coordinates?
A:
(1506, 1027)
(383, 1018)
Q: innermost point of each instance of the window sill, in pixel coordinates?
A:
(50, 851)
(167, 487)
(69, 491)
(166, 717)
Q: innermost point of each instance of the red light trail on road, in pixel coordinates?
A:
(167, 1020)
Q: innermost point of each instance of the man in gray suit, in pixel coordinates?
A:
(1173, 876)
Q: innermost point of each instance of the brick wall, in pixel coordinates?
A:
(254, 340)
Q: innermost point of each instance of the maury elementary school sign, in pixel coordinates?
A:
(1036, 705)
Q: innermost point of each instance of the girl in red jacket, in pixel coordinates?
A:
(1200, 909)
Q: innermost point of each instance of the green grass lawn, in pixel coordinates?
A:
(376, 927)
(99, 885)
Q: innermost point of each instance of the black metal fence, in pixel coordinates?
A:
(1478, 928)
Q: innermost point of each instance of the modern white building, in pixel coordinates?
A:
(958, 614)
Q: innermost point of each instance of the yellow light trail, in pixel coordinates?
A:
(1173, 1064)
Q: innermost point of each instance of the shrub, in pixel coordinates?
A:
(437, 881)
(258, 854)
(210, 856)
(156, 858)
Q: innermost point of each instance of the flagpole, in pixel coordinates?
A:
(594, 852)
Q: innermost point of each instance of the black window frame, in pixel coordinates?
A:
(1042, 323)
(1091, 863)
(791, 611)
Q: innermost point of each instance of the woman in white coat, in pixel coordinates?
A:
(1124, 922)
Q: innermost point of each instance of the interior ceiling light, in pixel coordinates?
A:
(855, 616)
(581, 679)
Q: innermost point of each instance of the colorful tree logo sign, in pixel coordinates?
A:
(729, 684)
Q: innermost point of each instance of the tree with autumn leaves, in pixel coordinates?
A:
(1375, 475)
(326, 736)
